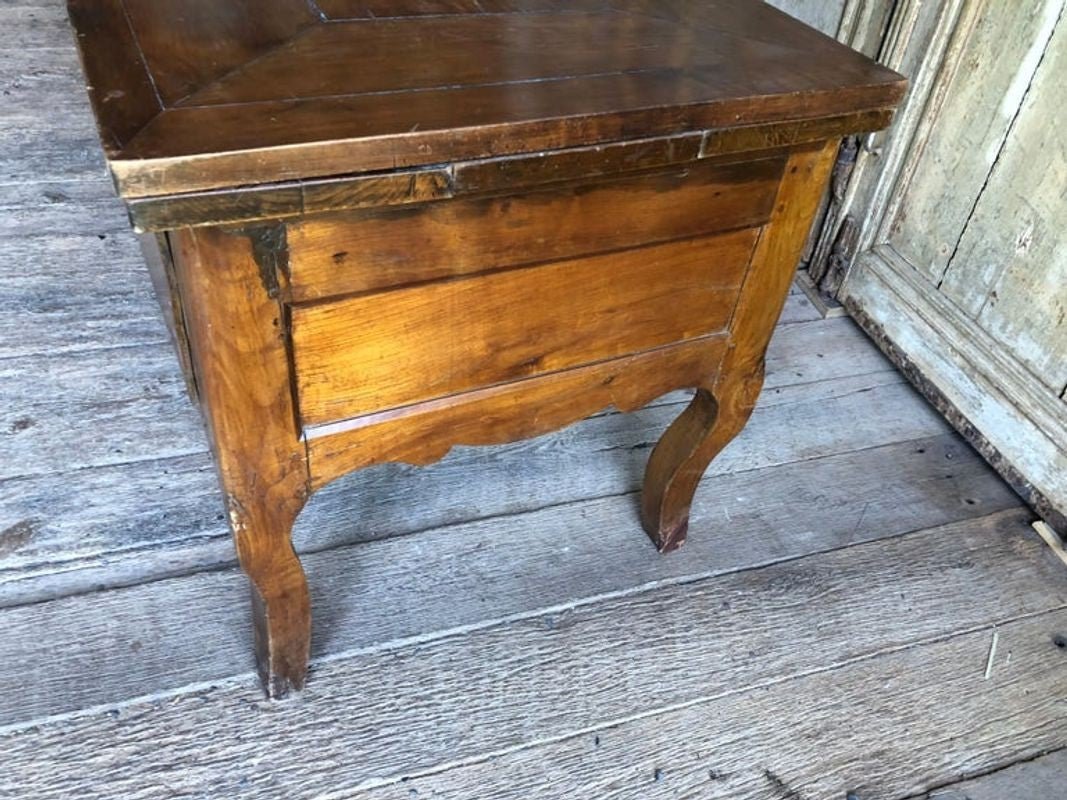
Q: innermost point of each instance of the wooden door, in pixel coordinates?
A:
(949, 242)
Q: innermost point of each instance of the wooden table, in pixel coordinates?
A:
(383, 228)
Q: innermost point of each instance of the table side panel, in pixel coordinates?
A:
(364, 251)
(387, 349)
(424, 433)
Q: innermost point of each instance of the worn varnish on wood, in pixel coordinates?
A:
(463, 224)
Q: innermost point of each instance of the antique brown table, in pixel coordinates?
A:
(386, 227)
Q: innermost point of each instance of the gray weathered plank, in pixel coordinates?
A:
(875, 729)
(75, 292)
(33, 25)
(50, 133)
(798, 308)
(62, 208)
(85, 409)
(1042, 778)
(120, 509)
(67, 150)
(32, 76)
(1010, 416)
(407, 708)
(139, 642)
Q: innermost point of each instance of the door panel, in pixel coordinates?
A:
(980, 99)
(959, 266)
(1011, 265)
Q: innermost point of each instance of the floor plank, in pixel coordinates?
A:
(46, 73)
(139, 642)
(50, 133)
(376, 716)
(1042, 778)
(32, 25)
(61, 208)
(798, 308)
(75, 292)
(874, 729)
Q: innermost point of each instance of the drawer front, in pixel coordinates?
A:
(364, 251)
(383, 350)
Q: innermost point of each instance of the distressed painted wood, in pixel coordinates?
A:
(948, 284)
(573, 668)
(914, 38)
(1009, 272)
(939, 353)
(985, 86)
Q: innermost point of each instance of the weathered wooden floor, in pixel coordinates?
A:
(862, 607)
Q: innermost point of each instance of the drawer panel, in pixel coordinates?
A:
(363, 251)
(379, 351)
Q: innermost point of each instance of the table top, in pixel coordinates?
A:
(200, 94)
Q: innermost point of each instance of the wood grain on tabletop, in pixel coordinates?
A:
(545, 80)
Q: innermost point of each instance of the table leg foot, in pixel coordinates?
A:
(714, 417)
(283, 636)
(281, 605)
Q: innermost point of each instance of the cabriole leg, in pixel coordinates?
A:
(719, 412)
(713, 418)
